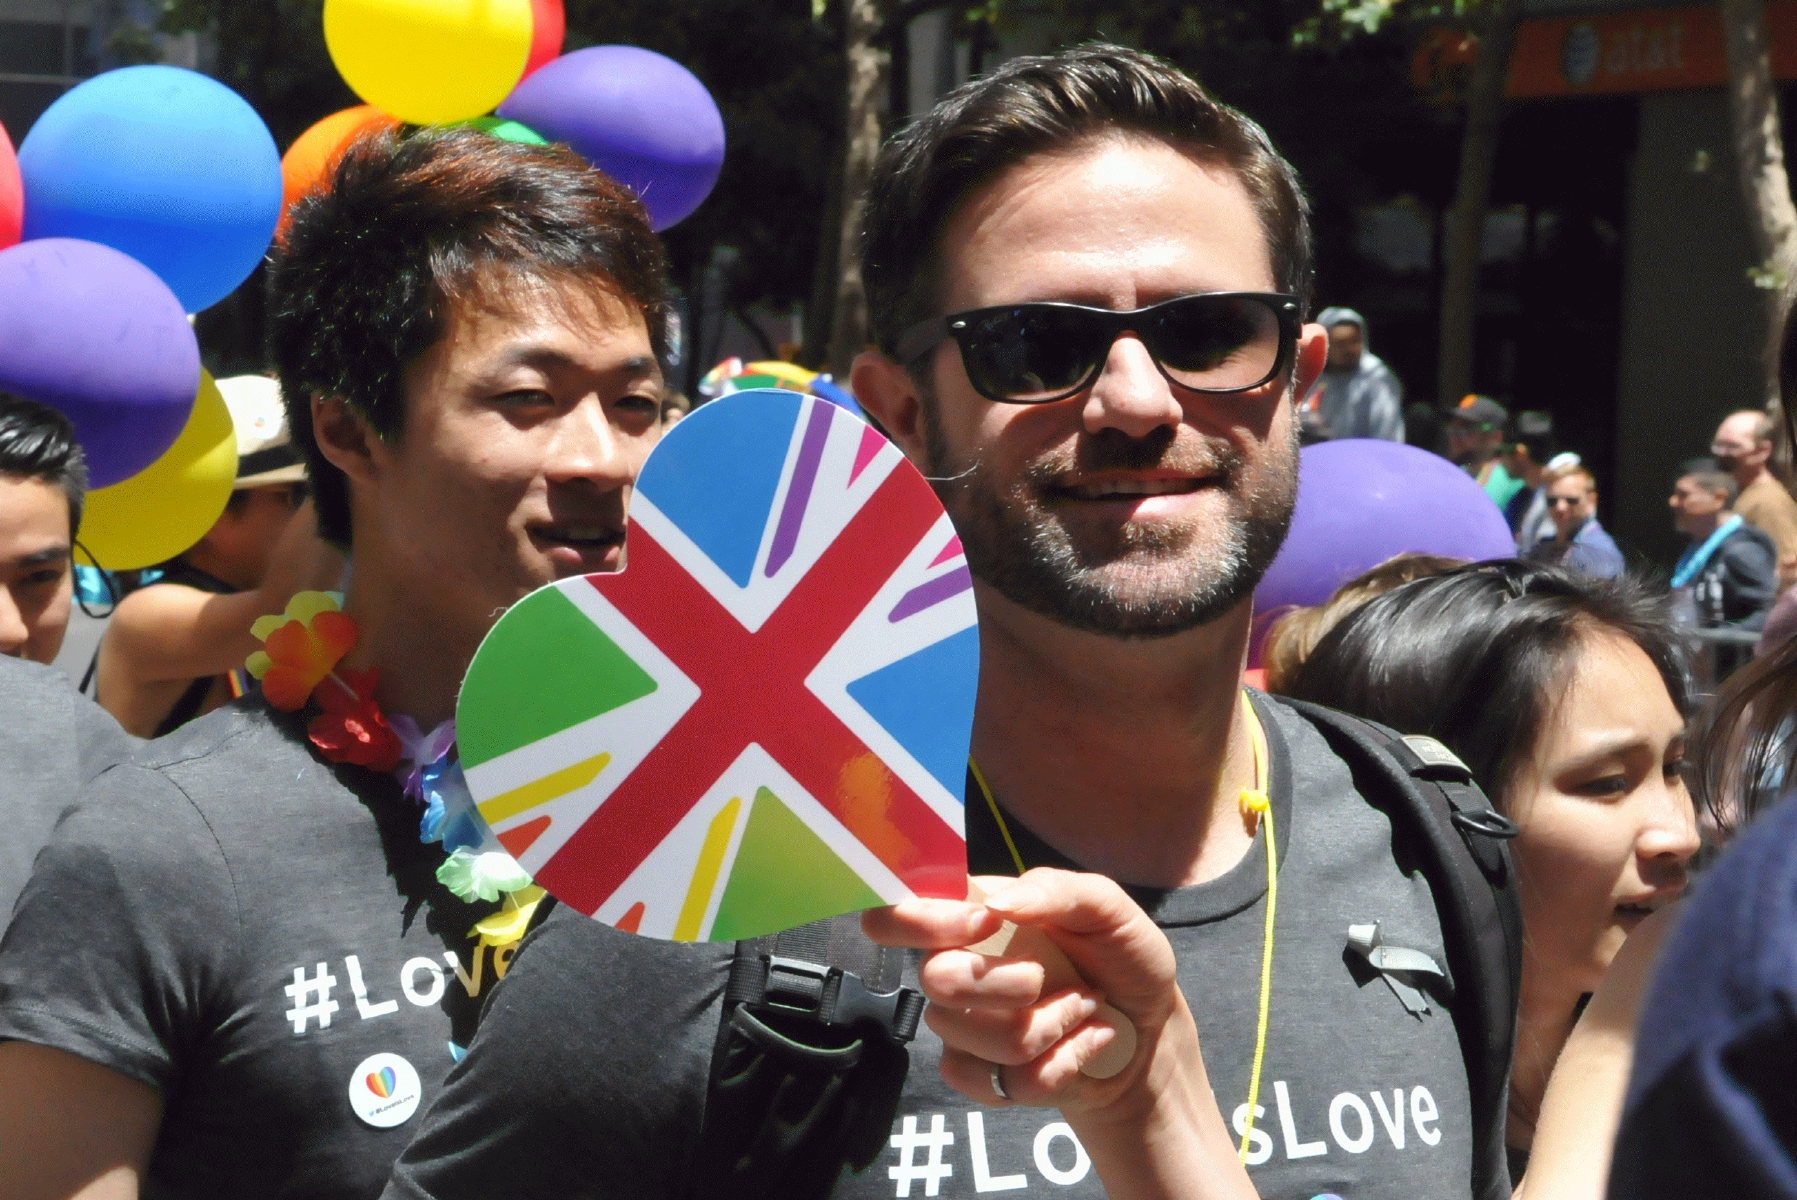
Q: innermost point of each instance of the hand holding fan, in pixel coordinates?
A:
(763, 719)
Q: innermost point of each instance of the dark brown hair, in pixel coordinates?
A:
(1036, 105)
(1475, 657)
(1747, 754)
(412, 221)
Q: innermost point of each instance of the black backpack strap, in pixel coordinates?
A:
(809, 1063)
(1430, 792)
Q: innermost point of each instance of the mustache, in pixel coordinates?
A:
(1114, 450)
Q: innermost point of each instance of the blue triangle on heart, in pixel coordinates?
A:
(926, 702)
(717, 480)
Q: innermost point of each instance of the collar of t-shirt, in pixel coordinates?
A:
(1238, 888)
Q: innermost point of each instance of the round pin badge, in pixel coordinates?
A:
(384, 1091)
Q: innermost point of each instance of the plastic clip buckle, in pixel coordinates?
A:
(838, 997)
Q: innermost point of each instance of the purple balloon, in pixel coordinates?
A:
(94, 334)
(1362, 501)
(639, 116)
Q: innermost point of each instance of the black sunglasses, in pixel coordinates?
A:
(1216, 342)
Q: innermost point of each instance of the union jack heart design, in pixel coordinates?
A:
(763, 720)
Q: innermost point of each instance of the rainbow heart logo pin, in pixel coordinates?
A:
(381, 1082)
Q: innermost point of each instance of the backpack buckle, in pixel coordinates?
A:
(838, 997)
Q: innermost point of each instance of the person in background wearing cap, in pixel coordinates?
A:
(1475, 433)
(174, 649)
(1359, 397)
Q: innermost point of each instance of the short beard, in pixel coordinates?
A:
(1015, 544)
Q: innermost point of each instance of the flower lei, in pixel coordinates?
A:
(298, 664)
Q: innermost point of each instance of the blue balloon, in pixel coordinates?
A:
(164, 164)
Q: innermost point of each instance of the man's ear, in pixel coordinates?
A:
(888, 394)
(1313, 353)
(344, 437)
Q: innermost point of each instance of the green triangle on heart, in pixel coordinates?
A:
(784, 876)
(536, 677)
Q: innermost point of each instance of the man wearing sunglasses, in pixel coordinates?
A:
(1086, 282)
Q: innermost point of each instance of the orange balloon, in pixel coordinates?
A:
(314, 154)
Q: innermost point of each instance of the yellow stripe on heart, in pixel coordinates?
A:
(705, 871)
(542, 791)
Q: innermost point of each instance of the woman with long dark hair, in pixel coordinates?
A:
(1565, 696)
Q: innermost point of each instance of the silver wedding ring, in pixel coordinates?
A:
(998, 1082)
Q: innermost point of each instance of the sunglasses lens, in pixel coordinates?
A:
(1216, 343)
(1030, 352)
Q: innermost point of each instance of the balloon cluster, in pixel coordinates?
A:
(640, 117)
(140, 196)
(152, 192)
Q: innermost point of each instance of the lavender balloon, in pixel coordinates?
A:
(639, 116)
(96, 335)
(1362, 501)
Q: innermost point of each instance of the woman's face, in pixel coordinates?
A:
(1607, 825)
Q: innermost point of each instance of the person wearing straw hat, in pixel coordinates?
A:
(174, 649)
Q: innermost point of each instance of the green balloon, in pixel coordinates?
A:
(511, 131)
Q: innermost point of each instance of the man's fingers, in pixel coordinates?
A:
(1015, 1036)
(963, 979)
(1051, 1079)
(922, 924)
(1106, 935)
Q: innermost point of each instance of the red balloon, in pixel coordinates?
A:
(549, 27)
(12, 194)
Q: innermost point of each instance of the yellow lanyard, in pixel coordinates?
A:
(1253, 800)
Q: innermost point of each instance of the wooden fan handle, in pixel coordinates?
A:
(1025, 941)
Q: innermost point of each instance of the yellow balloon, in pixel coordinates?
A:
(430, 61)
(170, 504)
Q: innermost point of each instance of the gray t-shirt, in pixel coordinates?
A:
(261, 938)
(53, 742)
(1360, 1097)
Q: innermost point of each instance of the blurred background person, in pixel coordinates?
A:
(52, 739)
(173, 649)
(1743, 447)
(1727, 578)
(1575, 538)
(1475, 433)
(1526, 456)
(1566, 698)
(43, 483)
(1359, 396)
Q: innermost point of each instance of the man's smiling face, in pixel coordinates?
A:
(1135, 508)
(525, 426)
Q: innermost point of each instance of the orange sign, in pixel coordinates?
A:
(1646, 50)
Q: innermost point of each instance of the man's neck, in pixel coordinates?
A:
(420, 660)
(1746, 476)
(1700, 528)
(1128, 756)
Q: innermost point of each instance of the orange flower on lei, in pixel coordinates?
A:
(302, 646)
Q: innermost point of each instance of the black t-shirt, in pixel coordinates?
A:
(260, 937)
(589, 1073)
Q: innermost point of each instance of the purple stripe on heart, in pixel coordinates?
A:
(798, 493)
(924, 595)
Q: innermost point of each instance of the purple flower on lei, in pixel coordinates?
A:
(421, 750)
